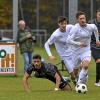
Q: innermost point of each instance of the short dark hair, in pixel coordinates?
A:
(37, 56)
(80, 13)
(61, 19)
(98, 10)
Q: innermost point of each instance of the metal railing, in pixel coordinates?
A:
(41, 36)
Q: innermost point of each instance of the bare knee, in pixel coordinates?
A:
(85, 64)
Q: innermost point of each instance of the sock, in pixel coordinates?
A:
(97, 72)
(82, 76)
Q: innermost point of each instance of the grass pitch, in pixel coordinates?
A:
(41, 89)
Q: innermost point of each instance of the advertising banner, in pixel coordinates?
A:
(7, 58)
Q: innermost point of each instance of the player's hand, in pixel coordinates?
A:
(52, 58)
(98, 43)
(82, 45)
(29, 35)
(56, 89)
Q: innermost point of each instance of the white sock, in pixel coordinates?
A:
(82, 76)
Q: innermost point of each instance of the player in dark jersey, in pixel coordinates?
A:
(44, 70)
(96, 49)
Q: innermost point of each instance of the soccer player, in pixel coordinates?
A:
(58, 38)
(44, 70)
(80, 39)
(96, 49)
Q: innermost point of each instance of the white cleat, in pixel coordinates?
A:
(97, 84)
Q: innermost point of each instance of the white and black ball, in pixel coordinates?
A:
(81, 88)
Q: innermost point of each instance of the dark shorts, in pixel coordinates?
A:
(95, 53)
(62, 84)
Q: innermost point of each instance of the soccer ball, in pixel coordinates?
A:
(81, 88)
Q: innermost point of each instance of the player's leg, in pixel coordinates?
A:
(97, 72)
(58, 80)
(96, 56)
(68, 61)
(83, 75)
(76, 63)
(76, 70)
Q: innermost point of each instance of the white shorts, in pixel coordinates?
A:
(79, 57)
(68, 61)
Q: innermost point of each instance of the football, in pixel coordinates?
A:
(81, 88)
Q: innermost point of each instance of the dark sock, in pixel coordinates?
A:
(97, 72)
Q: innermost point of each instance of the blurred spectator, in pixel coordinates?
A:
(25, 40)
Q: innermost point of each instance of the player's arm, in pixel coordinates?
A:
(49, 42)
(72, 36)
(25, 82)
(96, 33)
(58, 80)
(26, 77)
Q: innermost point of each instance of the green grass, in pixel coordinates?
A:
(41, 89)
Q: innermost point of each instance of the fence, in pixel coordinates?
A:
(41, 36)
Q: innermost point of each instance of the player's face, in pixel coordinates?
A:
(62, 26)
(98, 16)
(37, 63)
(82, 20)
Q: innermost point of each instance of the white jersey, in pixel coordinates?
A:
(58, 38)
(82, 34)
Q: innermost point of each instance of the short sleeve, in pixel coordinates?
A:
(29, 70)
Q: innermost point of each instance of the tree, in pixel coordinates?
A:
(5, 14)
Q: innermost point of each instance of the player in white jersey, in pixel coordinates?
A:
(80, 39)
(58, 38)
